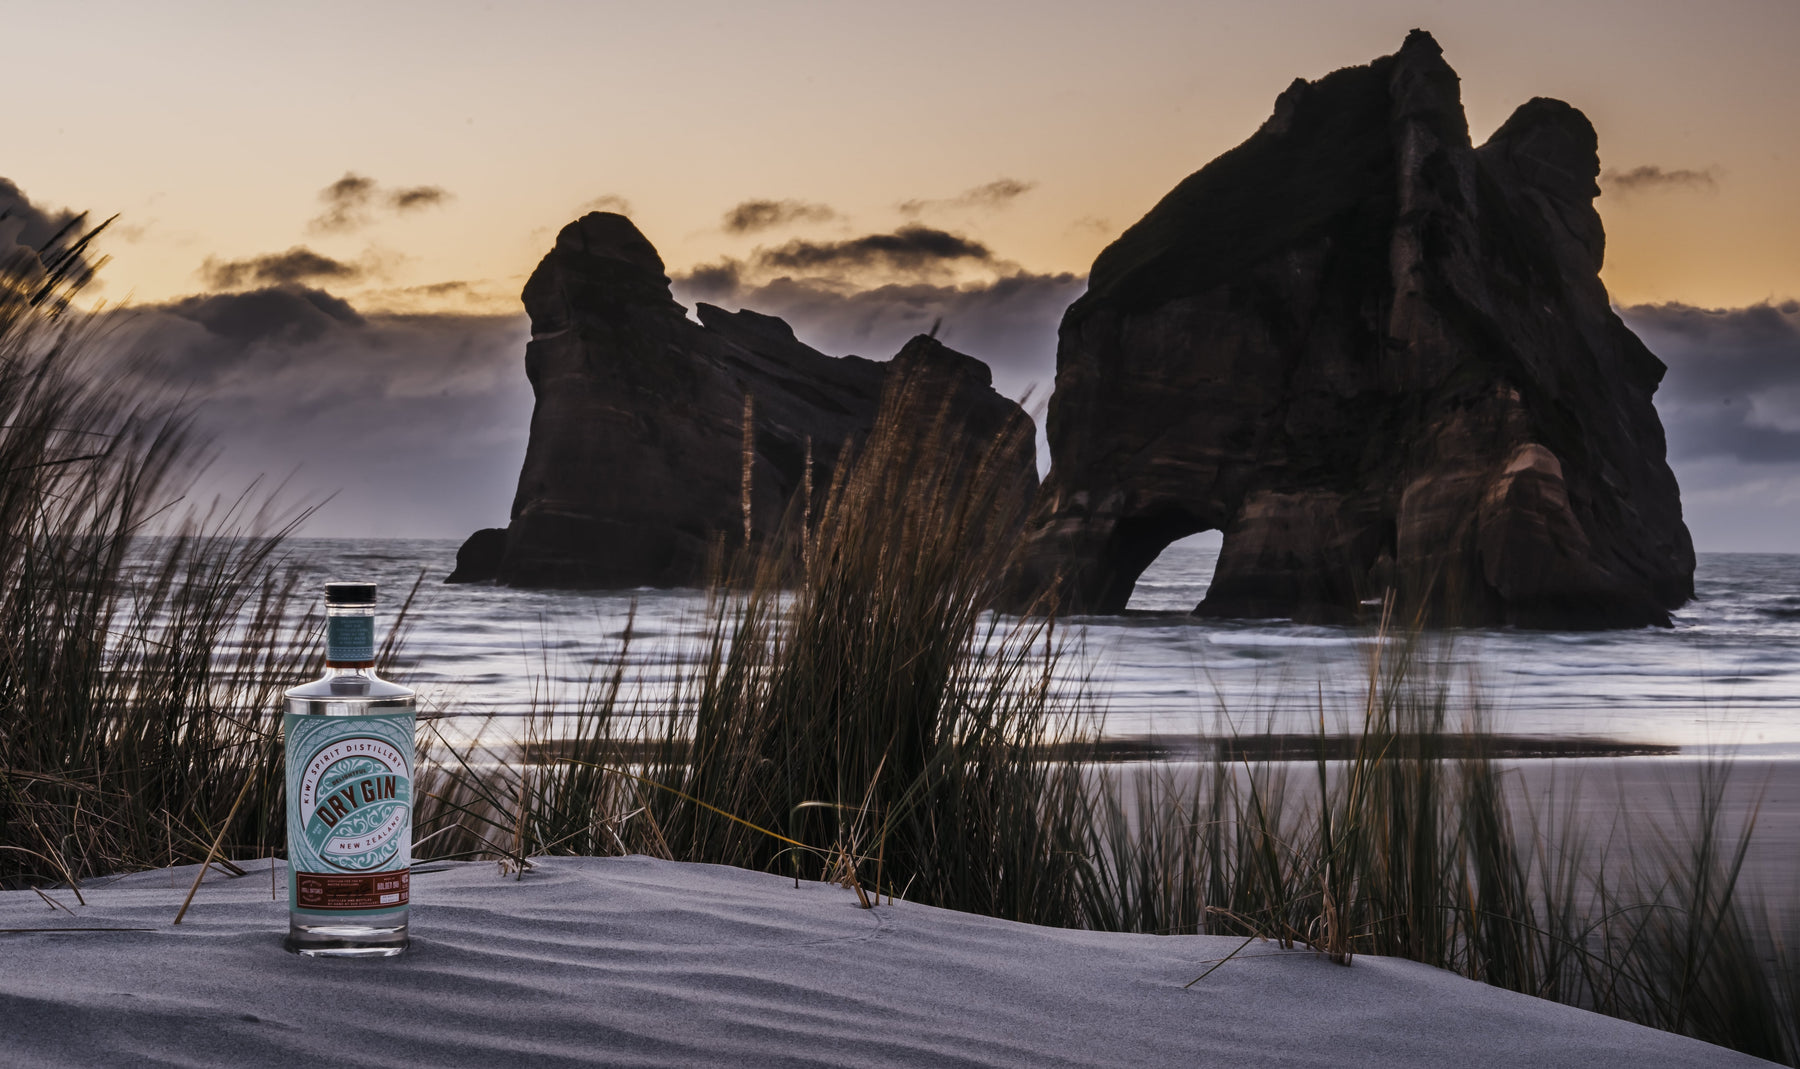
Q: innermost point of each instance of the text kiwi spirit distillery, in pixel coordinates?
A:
(349, 793)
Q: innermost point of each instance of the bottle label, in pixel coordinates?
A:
(349, 639)
(349, 812)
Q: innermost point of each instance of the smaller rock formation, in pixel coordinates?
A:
(478, 559)
(930, 384)
(635, 470)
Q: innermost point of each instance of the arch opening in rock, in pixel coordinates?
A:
(1178, 578)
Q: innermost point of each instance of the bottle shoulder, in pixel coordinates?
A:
(358, 686)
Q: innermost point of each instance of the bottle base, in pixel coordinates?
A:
(346, 940)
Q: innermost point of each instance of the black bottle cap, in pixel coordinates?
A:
(349, 593)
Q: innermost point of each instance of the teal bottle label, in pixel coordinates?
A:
(349, 812)
(349, 639)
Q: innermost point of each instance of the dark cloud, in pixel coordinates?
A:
(867, 295)
(1730, 405)
(909, 248)
(752, 216)
(1651, 177)
(417, 423)
(293, 314)
(999, 191)
(918, 253)
(713, 283)
(415, 197)
(996, 194)
(1733, 385)
(346, 204)
(606, 202)
(351, 190)
(53, 244)
(298, 264)
(351, 202)
(486, 296)
(23, 223)
(439, 291)
(1010, 323)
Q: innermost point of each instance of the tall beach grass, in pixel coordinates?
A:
(143, 638)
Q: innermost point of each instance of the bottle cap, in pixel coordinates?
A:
(349, 593)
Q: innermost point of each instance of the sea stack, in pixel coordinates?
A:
(635, 468)
(1379, 360)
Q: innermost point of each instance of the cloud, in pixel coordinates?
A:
(1733, 385)
(292, 315)
(606, 202)
(712, 283)
(353, 201)
(298, 264)
(479, 296)
(417, 423)
(130, 233)
(25, 224)
(909, 248)
(443, 289)
(991, 196)
(415, 197)
(1010, 323)
(1735, 506)
(347, 203)
(1650, 178)
(911, 253)
(752, 216)
(50, 242)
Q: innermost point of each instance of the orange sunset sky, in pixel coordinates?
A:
(211, 127)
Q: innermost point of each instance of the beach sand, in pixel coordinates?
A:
(638, 962)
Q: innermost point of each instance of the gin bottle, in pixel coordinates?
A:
(349, 793)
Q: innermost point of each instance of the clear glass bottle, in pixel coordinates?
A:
(349, 793)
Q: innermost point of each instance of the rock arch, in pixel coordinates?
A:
(1378, 359)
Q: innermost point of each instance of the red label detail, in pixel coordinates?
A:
(330, 890)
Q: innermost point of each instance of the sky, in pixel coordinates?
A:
(326, 211)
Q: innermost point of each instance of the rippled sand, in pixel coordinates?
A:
(631, 961)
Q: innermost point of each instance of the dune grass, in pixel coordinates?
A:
(1412, 847)
(143, 641)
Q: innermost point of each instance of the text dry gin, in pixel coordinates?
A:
(349, 793)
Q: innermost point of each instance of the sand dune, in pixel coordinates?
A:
(638, 962)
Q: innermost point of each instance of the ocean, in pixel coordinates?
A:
(1726, 676)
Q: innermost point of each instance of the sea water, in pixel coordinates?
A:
(1727, 675)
